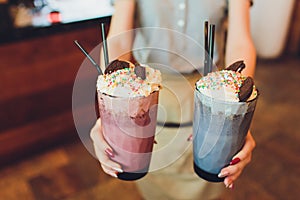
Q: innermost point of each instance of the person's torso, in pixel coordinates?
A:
(173, 31)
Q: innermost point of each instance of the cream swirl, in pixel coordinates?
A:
(125, 82)
(223, 85)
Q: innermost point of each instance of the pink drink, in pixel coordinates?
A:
(128, 98)
(129, 128)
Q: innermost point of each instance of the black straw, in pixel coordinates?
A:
(206, 48)
(211, 46)
(89, 57)
(105, 51)
(209, 38)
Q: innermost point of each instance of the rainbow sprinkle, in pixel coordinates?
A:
(126, 80)
(221, 79)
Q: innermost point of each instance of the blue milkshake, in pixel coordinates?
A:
(221, 121)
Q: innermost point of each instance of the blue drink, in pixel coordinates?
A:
(219, 132)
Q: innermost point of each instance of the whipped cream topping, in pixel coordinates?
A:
(223, 85)
(125, 83)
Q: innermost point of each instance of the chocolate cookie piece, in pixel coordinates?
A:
(115, 66)
(237, 66)
(140, 71)
(246, 89)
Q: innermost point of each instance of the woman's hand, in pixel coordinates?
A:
(238, 163)
(103, 151)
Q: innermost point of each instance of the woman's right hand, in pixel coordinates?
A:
(103, 151)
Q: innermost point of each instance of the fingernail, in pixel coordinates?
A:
(113, 175)
(118, 169)
(190, 138)
(228, 185)
(235, 161)
(109, 153)
(231, 186)
(222, 175)
(155, 142)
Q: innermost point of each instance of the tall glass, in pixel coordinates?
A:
(129, 128)
(219, 132)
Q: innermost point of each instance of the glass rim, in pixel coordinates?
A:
(137, 97)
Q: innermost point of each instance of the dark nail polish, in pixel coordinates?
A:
(235, 161)
(155, 142)
(109, 153)
(190, 138)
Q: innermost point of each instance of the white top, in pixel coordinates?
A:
(173, 31)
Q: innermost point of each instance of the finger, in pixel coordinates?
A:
(107, 163)
(229, 184)
(239, 161)
(246, 151)
(190, 138)
(109, 171)
(235, 168)
(229, 180)
(98, 139)
(231, 173)
(103, 151)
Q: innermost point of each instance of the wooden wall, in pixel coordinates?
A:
(293, 43)
(36, 81)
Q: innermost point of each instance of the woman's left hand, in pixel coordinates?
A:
(238, 163)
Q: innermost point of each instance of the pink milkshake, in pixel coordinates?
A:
(128, 98)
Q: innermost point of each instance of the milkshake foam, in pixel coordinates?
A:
(126, 83)
(224, 85)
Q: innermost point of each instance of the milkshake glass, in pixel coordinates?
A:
(219, 131)
(128, 111)
(129, 128)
